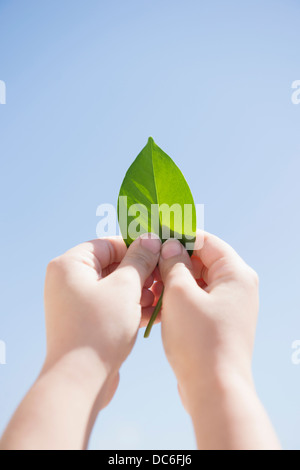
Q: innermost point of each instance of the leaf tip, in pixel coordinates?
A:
(150, 140)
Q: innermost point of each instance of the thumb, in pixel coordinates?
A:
(175, 267)
(139, 262)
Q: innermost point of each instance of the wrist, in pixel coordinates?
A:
(228, 415)
(60, 409)
(83, 370)
(198, 392)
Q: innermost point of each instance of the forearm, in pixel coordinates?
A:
(230, 416)
(61, 407)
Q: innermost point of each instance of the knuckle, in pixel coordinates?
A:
(52, 266)
(251, 277)
(255, 277)
(57, 265)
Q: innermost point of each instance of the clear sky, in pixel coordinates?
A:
(87, 83)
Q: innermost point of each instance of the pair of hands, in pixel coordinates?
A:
(98, 294)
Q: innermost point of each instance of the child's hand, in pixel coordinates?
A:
(208, 329)
(96, 297)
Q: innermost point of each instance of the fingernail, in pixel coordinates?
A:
(151, 242)
(171, 248)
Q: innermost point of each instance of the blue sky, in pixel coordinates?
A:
(87, 83)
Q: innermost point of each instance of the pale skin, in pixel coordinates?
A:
(98, 294)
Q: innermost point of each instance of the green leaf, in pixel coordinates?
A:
(153, 180)
(155, 197)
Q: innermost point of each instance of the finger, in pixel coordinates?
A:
(201, 283)
(112, 267)
(147, 298)
(109, 269)
(213, 249)
(198, 267)
(99, 254)
(156, 273)
(138, 263)
(157, 289)
(149, 281)
(175, 268)
(218, 259)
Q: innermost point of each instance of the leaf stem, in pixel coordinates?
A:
(154, 315)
